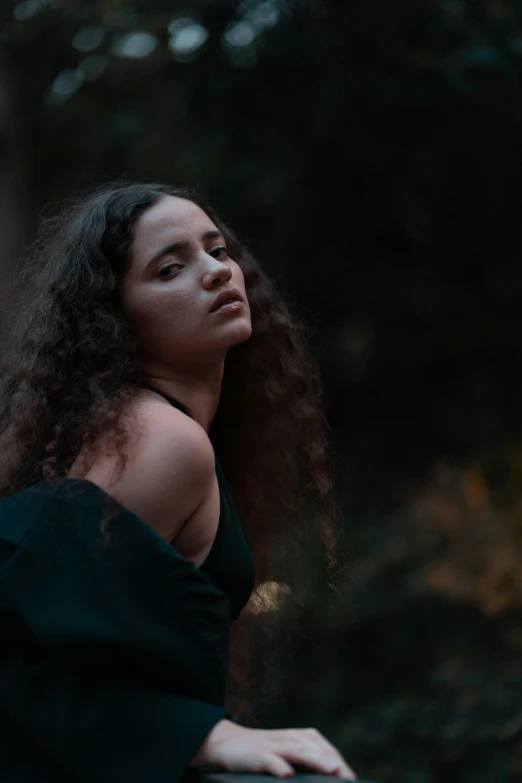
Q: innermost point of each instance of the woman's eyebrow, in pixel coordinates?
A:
(181, 245)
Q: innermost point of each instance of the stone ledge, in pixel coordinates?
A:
(241, 777)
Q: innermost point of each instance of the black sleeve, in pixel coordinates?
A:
(118, 655)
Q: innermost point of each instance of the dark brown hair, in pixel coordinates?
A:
(69, 372)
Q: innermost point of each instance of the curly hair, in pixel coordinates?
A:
(70, 371)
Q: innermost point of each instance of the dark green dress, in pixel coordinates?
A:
(113, 652)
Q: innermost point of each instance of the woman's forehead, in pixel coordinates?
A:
(172, 213)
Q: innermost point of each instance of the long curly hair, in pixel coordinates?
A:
(69, 371)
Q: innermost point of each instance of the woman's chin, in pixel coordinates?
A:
(239, 332)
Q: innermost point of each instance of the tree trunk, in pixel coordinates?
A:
(15, 210)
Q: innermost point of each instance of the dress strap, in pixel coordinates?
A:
(172, 401)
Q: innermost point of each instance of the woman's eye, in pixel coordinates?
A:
(168, 266)
(220, 249)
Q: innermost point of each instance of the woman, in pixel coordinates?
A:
(115, 649)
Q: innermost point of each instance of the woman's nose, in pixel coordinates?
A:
(218, 274)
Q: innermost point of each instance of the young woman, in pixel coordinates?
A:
(145, 354)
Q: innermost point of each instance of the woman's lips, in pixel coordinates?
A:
(229, 307)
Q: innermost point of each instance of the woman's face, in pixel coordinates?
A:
(179, 266)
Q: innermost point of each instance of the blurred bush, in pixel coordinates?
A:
(415, 671)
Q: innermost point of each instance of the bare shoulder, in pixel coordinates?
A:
(170, 468)
(154, 423)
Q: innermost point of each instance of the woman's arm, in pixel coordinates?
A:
(113, 657)
(105, 724)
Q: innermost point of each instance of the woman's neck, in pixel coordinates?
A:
(201, 399)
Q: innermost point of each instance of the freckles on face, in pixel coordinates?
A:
(161, 314)
(165, 316)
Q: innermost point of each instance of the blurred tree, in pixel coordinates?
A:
(15, 197)
(371, 155)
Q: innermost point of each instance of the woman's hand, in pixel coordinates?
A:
(273, 751)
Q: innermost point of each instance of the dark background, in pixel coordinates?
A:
(370, 154)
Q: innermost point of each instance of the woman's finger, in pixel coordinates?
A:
(319, 761)
(320, 740)
(275, 765)
(347, 772)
